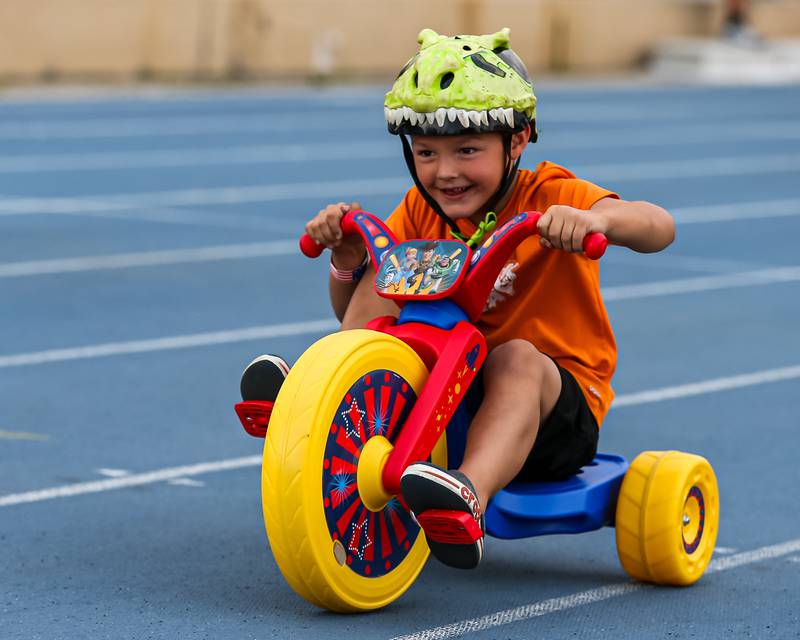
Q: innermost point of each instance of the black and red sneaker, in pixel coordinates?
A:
(263, 377)
(446, 506)
(261, 381)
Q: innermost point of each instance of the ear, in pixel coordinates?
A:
(519, 141)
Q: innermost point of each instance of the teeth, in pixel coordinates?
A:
(387, 113)
(463, 118)
(474, 118)
(493, 114)
(429, 117)
(407, 113)
(451, 114)
(509, 117)
(484, 118)
(441, 115)
(414, 118)
(397, 116)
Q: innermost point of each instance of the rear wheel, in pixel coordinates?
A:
(667, 517)
(349, 389)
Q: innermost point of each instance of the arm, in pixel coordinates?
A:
(640, 226)
(347, 252)
(365, 304)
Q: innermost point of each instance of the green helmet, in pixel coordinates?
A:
(461, 84)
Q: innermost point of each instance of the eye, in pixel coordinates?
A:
(468, 151)
(424, 153)
(447, 78)
(487, 66)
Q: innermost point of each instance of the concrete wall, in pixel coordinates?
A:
(217, 39)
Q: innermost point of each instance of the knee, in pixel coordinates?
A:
(518, 360)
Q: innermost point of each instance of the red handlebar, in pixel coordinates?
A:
(594, 244)
(309, 247)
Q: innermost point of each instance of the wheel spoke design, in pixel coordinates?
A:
(694, 517)
(375, 542)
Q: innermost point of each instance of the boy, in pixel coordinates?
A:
(468, 105)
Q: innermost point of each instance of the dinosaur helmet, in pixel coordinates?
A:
(461, 84)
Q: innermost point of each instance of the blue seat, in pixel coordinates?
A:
(584, 502)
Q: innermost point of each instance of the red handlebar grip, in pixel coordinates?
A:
(594, 245)
(309, 247)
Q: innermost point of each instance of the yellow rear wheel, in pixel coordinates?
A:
(346, 390)
(667, 517)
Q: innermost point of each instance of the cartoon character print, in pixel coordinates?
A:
(503, 286)
(422, 269)
(423, 265)
(398, 272)
(442, 266)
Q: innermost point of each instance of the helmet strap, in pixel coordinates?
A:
(408, 154)
(490, 221)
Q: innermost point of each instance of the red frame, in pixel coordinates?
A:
(453, 356)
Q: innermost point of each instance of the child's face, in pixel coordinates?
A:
(460, 172)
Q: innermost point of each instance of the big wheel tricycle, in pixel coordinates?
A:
(359, 406)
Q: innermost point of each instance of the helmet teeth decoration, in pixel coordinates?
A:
(461, 84)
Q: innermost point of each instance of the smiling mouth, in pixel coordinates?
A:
(455, 191)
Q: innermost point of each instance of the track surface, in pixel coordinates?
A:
(147, 253)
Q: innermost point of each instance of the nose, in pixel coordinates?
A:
(446, 169)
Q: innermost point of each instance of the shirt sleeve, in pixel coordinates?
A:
(401, 222)
(578, 193)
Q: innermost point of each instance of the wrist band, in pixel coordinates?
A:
(351, 276)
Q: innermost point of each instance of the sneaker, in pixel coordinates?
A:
(446, 506)
(263, 377)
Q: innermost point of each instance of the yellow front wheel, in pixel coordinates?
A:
(667, 517)
(349, 393)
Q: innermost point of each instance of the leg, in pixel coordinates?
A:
(522, 386)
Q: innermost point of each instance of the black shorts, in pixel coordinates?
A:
(566, 441)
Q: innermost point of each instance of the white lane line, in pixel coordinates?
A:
(704, 283)
(708, 386)
(149, 258)
(724, 551)
(656, 136)
(395, 185)
(257, 154)
(187, 482)
(113, 473)
(342, 189)
(695, 168)
(121, 473)
(123, 480)
(186, 126)
(168, 343)
(111, 161)
(133, 480)
(349, 117)
(610, 294)
(552, 605)
(675, 261)
(22, 435)
(736, 211)
(687, 215)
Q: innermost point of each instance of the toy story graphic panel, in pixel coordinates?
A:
(429, 268)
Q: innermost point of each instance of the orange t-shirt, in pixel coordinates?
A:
(550, 298)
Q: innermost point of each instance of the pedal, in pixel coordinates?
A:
(254, 416)
(450, 527)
